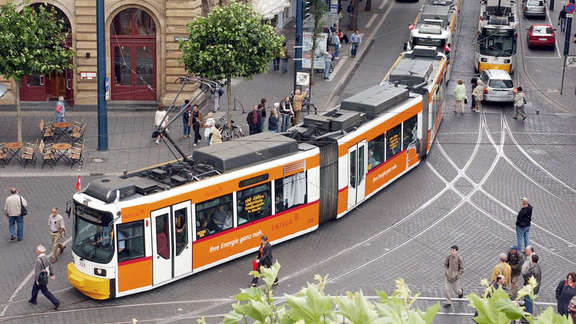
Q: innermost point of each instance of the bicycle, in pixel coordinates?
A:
(227, 133)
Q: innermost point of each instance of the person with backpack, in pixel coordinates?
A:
(42, 271)
(519, 102)
(515, 262)
(15, 210)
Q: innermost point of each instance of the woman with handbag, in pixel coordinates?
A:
(459, 97)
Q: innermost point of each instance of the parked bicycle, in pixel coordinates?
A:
(307, 105)
(229, 133)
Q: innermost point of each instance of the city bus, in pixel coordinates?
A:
(496, 41)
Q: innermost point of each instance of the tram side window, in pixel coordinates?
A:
(214, 216)
(410, 133)
(181, 228)
(130, 238)
(376, 151)
(291, 191)
(393, 142)
(254, 203)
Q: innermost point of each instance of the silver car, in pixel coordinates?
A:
(498, 86)
(534, 8)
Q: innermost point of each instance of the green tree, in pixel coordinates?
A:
(32, 41)
(231, 41)
(317, 9)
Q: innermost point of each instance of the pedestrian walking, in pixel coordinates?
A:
(196, 120)
(57, 231)
(42, 270)
(264, 258)
(355, 39)
(562, 19)
(565, 291)
(478, 94)
(515, 262)
(459, 97)
(284, 57)
(60, 112)
(186, 119)
(535, 272)
(343, 37)
(15, 210)
(519, 102)
(502, 268)
(217, 92)
(572, 309)
(209, 127)
(274, 118)
(262, 110)
(253, 120)
(216, 135)
(276, 62)
(350, 12)
(523, 221)
(473, 84)
(336, 45)
(297, 105)
(453, 270)
(160, 120)
(327, 64)
(286, 112)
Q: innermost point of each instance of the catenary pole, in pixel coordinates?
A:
(566, 48)
(299, 34)
(101, 77)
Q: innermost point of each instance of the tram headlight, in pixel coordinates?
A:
(507, 61)
(100, 272)
(483, 59)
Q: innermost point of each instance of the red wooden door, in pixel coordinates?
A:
(33, 88)
(133, 70)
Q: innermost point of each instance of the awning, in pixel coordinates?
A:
(270, 8)
(3, 90)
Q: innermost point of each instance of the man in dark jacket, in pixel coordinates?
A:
(264, 258)
(523, 224)
(253, 120)
(533, 271)
(42, 264)
(515, 262)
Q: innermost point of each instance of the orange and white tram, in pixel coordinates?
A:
(154, 226)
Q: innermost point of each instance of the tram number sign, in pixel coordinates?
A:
(571, 61)
(570, 8)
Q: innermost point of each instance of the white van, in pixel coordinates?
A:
(498, 86)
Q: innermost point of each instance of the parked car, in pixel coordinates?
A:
(541, 35)
(534, 8)
(498, 86)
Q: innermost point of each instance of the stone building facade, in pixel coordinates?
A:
(142, 56)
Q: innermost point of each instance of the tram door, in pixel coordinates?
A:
(161, 246)
(182, 238)
(357, 167)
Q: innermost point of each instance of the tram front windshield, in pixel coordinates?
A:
(497, 45)
(93, 237)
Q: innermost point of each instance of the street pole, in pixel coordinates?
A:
(551, 5)
(299, 34)
(101, 77)
(566, 47)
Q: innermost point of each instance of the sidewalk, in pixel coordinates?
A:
(129, 132)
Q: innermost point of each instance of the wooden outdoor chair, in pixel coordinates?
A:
(48, 156)
(77, 132)
(3, 155)
(47, 132)
(28, 154)
(76, 155)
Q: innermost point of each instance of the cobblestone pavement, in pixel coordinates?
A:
(467, 193)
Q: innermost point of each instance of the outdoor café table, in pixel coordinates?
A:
(60, 150)
(61, 129)
(12, 151)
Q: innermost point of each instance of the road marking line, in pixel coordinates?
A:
(542, 57)
(382, 5)
(371, 21)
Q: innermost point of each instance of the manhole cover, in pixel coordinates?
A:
(98, 160)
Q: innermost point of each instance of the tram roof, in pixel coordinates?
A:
(416, 67)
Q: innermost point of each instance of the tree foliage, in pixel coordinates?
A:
(32, 41)
(232, 41)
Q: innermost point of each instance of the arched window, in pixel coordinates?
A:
(133, 22)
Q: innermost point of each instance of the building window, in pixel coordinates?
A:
(376, 152)
(133, 22)
(290, 191)
(254, 203)
(214, 216)
(410, 132)
(393, 142)
(130, 240)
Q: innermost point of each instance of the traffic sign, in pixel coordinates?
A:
(302, 79)
(570, 8)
